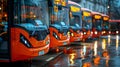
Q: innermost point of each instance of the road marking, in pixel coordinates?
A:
(49, 58)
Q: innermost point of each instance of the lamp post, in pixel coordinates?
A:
(109, 14)
(2, 7)
(109, 8)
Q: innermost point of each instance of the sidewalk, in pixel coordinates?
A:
(41, 61)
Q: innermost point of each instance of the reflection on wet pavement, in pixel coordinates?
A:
(104, 52)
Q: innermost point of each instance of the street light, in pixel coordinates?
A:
(108, 6)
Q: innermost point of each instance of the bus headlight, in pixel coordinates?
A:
(24, 41)
(47, 42)
(103, 32)
(84, 32)
(91, 32)
(96, 32)
(109, 32)
(117, 32)
(72, 34)
(81, 33)
(55, 35)
(68, 33)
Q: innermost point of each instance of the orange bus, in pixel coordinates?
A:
(105, 24)
(59, 24)
(75, 21)
(96, 24)
(87, 23)
(24, 30)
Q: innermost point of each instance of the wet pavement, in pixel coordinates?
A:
(42, 61)
(103, 52)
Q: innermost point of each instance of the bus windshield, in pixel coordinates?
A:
(87, 22)
(98, 24)
(106, 25)
(29, 10)
(61, 17)
(33, 16)
(75, 21)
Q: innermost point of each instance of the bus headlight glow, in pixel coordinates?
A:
(117, 32)
(55, 35)
(109, 32)
(68, 33)
(72, 34)
(96, 32)
(91, 32)
(84, 32)
(24, 41)
(81, 33)
(47, 42)
(103, 32)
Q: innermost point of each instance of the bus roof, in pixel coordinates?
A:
(94, 13)
(105, 15)
(74, 3)
(85, 9)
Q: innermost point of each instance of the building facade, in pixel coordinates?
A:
(94, 5)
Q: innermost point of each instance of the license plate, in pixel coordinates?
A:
(41, 52)
(64, 43)
(78, 39)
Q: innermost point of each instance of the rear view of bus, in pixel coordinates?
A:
(27, 33)
(59, 24)
(105, 24)
(87, 23)
(75, 21)
(96, 25)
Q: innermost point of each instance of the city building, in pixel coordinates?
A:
(94, 5)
